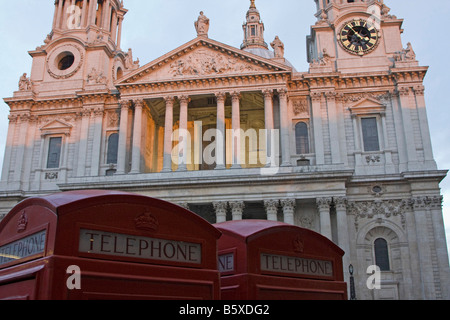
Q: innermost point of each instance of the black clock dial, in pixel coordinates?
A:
(359, 37)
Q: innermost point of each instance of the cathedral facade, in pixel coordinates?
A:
(343, 148)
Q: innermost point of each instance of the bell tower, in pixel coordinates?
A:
(253, 29)
(82, 51)
(354, 36)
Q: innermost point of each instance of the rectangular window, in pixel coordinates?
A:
(370, 134)
(54, 152)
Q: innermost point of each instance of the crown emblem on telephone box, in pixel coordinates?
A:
(22, 222)
(146, 221)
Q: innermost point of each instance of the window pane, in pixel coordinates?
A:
(54, 153)
(382, 254)
(113, 147)
(302, 138)
(370, 134)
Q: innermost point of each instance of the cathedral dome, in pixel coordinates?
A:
(267, 54)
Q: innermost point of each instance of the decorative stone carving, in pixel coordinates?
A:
(113, 119)
(206, 62)
(95, 77)
(129, 62)
(24, 83)
(407, 54)
(278, 47)
(373, 159)
(300, 106)
(379, 209)
(325, 60)
(202, 25)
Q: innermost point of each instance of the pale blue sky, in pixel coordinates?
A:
(155, 27)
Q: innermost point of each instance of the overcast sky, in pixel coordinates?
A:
(155, 27)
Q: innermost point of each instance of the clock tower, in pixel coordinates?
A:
(355, 36)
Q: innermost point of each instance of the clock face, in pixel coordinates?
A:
(359, 37)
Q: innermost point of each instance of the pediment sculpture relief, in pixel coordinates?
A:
(206, 62)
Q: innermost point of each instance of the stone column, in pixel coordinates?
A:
(316, 98)
(97, 140)
(333, 127)
(405, 102)
(183, 136)
(288, 206)
(323, 204)
(221, 211)
(424, 126)
(168, 130)
(123, 133)
(106, 14)
(425, 252)
(59, 14)
(137, 137)
(119, 32)
(220, 138)
(237, 209)
(84, 14)
(82, 142)
(22, 126)
(272, 209)
(440, 244)
(236, 128)
(13, 119)
(285, 128)
(343, 235)
(269, 124)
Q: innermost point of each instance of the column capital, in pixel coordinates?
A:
(283, 93)
(237, 208)
(169, 100)
(184, 99)
(220, 96)
(331, 95)
(138, 103)
(323, 203)
(268, 93)
(287, 204)
(340, 203)
(235, 96)
(221, 211)
(125, 104)
(316, 96)
(419, 90)
(403, 91)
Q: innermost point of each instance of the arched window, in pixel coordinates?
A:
(302, 138)
(113, 147)
(382, 254)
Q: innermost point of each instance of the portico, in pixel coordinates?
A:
(240, 109)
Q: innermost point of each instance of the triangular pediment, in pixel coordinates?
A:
(367, 106)
(203, 58)
(56, 126)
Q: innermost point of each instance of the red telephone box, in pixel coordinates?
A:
(264, 260)
(125, 246)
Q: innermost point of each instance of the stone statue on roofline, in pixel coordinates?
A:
(202, 25)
